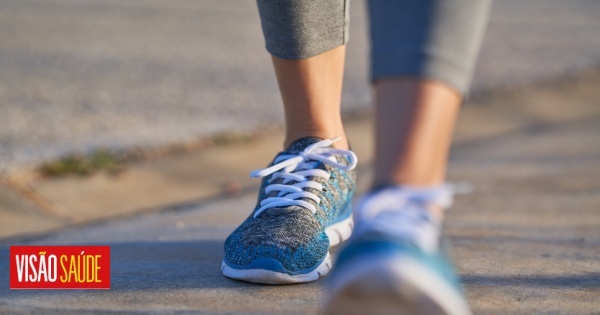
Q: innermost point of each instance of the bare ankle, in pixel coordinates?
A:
(340, 144)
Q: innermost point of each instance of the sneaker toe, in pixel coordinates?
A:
(282, 246)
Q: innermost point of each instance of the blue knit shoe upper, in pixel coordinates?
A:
(396, 253)
(306, 189)
(376, 246)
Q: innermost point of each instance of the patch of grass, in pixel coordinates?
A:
(232, 138)
(113, 163)
(82, 165)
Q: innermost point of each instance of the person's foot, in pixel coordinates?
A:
(303, 208)
(393, 263)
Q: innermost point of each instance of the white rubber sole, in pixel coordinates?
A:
(400, 286)
(340, 231)
(337, 233)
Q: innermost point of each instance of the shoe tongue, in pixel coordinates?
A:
(295, 148)
(301, 144)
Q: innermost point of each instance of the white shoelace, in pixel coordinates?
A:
(401, 211)
(295, 171)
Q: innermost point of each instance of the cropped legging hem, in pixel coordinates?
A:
(420, 65)
(307, 47)
(300, 29)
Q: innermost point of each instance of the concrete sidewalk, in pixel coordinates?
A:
(527, 241)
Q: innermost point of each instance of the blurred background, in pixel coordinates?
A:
(78, 75)
(166, 106)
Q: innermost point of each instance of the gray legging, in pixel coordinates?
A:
(430, 39)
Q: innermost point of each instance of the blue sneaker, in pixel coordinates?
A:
(393, 263)
(304, 207)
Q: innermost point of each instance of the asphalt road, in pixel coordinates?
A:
(82, 74)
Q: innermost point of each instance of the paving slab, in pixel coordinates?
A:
(526, 241)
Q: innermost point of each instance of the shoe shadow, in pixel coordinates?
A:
(171, 265)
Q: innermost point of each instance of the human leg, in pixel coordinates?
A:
(414, 123)
(423, 54)
(422, 58)
(311, 90)
(304, 204)
(306, 40)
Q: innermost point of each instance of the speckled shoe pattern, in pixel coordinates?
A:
(290, 244)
